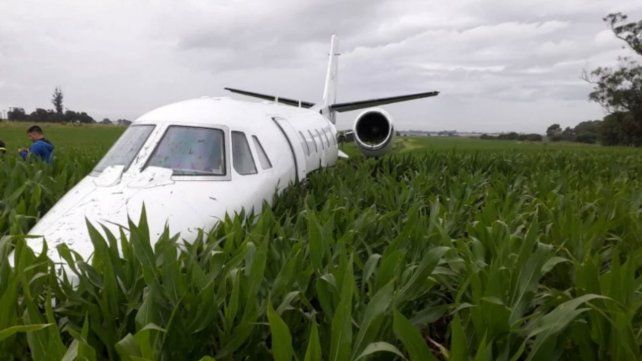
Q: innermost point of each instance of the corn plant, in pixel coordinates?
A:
(436, 255)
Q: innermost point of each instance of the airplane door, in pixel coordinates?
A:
(297, 152)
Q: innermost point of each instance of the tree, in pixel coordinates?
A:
(77, 117)
(619, 128)
(40, 115)
(568, 134)
(611, 131)
(508, 136)
(17, 114)
(619, 90)
(588, 132)
(554, 132)
(631, 33)
(531, 137)
(56, 100)
(106, 121)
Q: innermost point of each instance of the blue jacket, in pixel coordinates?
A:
(43, 149)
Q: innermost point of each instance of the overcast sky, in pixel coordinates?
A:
(499, 65)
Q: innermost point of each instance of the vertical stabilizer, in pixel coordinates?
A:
(330, 89)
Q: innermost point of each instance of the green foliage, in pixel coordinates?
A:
(619, 90)
(584, 132)
(55, 115)
(56, 100)
(498, 253)
(588, 132)
(620, 128)
(89, 140)
(531, 137)
(554, 132)
(30, 188)
(630, 32)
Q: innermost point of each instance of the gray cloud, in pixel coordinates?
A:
(500, 65)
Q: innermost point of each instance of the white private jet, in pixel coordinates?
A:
(192, 162)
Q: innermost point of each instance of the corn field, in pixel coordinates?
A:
(434, 255)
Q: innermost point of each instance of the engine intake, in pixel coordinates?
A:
(373, 132)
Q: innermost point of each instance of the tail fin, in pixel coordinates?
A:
(330, 89)
(329, 107)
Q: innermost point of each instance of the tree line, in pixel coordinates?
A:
(531, 137)
(585, 132)
(58, 114)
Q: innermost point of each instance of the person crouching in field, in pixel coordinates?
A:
(40, 147)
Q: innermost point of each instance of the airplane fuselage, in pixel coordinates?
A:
(259, 150)
(190, 163)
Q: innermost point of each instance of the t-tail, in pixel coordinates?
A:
(373, 129)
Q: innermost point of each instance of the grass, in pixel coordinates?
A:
(93, 138)
(413, 144)
(29, 189)
(445, 250)
(427, 144)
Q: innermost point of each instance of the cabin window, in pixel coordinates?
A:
(332, 139)
(125, 150)
(263, 158)
(191, 151)
(241, 154)
(304, 144)
(327, 139)
(316, 148)
(320, 139)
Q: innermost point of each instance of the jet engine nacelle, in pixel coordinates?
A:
(373, 132)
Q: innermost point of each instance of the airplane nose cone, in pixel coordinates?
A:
(70, 226)
(108, 203)
(66, 222)
(71, 232)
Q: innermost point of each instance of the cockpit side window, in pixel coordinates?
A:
(191, 151)
(263, 158)
(241, 154)
(126, 148)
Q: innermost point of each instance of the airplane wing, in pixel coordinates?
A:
(287, 101)
(344, 107)
(338, 107)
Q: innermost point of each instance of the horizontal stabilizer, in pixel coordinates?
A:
(344, 107)
(341, 154)
(293, 102)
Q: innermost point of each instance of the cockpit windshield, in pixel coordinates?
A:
(126, 148)
(191, 151)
